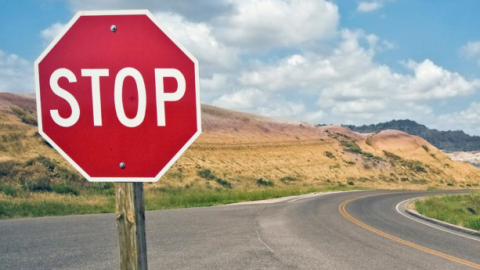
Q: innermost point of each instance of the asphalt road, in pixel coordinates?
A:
(309, 232)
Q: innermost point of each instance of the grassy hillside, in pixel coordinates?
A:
(238, 157)
(461, 210)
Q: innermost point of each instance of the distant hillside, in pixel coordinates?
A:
(237, 149)
(456, 140)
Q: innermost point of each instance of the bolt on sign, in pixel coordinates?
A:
(118, 96)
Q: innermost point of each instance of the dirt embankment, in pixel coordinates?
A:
(241, 148)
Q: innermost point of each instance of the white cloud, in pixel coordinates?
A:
(283, 109)
(243, 99)
(468, 119)
(471, 49)
(276, 23)
(16, 74)
(369, 6)
(198, 39)
(257, 101)
(193, 10)
(49, 33)
(289, 59)
(351, 86)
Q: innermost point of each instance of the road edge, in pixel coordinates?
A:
(450, 226)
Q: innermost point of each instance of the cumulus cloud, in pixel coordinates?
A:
(242, 99)
(471, 51)
(51, 32)
(198, 39)
(274, 23)
(369, 6)
(289, 59)
(16, 74)
(468, 119)
(351, 86)
(193, 10)
(255, 100)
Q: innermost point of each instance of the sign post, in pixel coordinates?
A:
(119, 99)
(130, 213)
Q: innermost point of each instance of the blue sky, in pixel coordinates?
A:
(350, 62)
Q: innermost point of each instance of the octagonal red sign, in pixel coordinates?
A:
(117, 96)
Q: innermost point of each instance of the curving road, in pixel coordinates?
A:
(347, 230)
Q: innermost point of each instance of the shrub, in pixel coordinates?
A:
(64, 189)
(392, 156)
(351, 183)
(102, 188)
(7, 168)
(267, 183)
(27, 117)
(287, 179)
(10, 190)
(13, 137)
(46, 162)
(329, 154)
(224, 183)
(425, 148)
(420, 181)
(41, 184)
(369, 140)
(368, 155)
(335, 166)
(450, 184)
(351, 146)
(206, 174)
(415, 165)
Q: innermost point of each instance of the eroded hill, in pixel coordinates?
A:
(245, 151)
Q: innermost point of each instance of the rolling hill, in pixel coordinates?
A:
(455, 140)
(236, 150)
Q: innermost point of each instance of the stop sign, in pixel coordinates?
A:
(117, 96)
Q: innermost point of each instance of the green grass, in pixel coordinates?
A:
(24, 208)
(462, 210)
(181, 198)
(48, 204)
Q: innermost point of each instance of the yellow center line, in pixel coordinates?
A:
(343, 211)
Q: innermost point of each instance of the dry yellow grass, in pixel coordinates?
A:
(241, 148)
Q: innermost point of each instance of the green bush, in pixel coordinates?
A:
(415, 165)
(351, 146)
(206, 174)
(8, 168)
(224, 183)
(288, 179)
(329, 154)
(266, 183)
(64, 189)
(41, 184)
(369, 140)
(10, 190)
(102, 188)
(27, 117)
(392, 156)
(44, 161)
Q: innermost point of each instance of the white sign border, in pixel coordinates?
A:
(59, 150)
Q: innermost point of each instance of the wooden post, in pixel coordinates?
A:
(130, 212)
